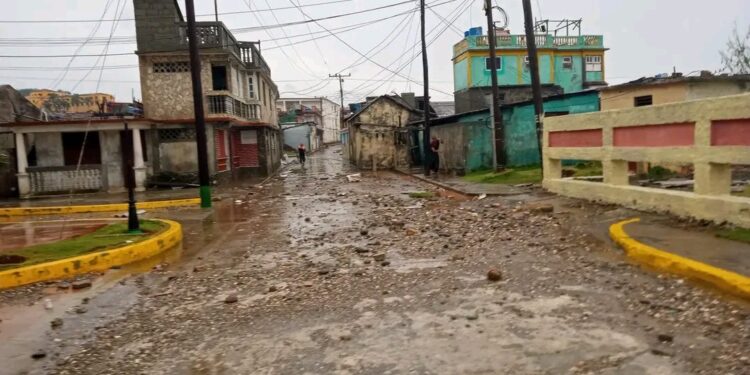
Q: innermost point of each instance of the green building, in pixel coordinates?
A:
(567, 64)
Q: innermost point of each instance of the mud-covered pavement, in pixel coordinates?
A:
(315, 275)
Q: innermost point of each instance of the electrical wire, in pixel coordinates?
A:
(172, 17)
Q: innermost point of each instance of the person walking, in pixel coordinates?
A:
(301, 153)
(435, 158)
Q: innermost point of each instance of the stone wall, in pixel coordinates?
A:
(156, 25)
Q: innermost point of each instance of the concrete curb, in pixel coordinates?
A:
(438, 184)
(57, 210)
(727, 281)
(98, 261)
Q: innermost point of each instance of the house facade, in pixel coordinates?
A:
(238, 95)
(64, 101)
(672, 88)
(567, 64)
(87, 153)
(329, 112)
(379, 135)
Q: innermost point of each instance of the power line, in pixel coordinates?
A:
(59, 56)
(170, 17)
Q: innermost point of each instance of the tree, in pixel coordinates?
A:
(56, 104)
(736, 58)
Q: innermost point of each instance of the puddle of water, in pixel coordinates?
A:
(23, 234)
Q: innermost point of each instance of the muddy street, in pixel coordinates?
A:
(313, 274)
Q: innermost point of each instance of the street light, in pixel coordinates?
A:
(133, 224)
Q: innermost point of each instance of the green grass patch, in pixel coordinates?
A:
(587, 169)
(107, 237)
(736, 234)
(422, 194)
(523, 175)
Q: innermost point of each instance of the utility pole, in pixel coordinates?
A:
(200, 120)
(341, 93)
(495, 111)
(426, 79)
(133, 224)
(536, 86)
(216, 10)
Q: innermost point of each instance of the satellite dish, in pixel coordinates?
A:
(502, 18)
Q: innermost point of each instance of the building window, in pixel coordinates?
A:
(567, 62)
(498, 63)
(171, 67)
(219, 77)
(593, 63)
(250, 87)
(265, 98)
(642, 101)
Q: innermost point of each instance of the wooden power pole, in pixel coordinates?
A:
(341, 93)
(426, 79)
(536, 86)
(200, 119)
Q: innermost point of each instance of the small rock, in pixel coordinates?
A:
(411, 231)
(542, 208)
(272, 288)
(345, 336)
(379, 257)
(361, 249)
(385, 263)
(665, 338)
(308, 284)
(660, 353)
(232, 298)
(81, 310)
(473, 316)
(324, 271)
(63, 285)
(307, 219)
(364, 232)
(56, 323)
(39, 354)
(494, 275)
(81, 284)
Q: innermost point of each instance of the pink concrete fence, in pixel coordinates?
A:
(711, 134)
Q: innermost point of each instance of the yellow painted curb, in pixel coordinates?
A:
(56, 210)
(727, 281)
(98, 261)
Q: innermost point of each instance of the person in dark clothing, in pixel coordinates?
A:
(301, 154)
(435, 159)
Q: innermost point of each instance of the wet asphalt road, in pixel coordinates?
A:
(332, 277)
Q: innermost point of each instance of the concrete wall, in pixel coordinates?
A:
(373, 135)
(625, 97)
(718, 137)
(477, 98)
(178, 157)
(49, 149)
(156, 28)
(110, 145)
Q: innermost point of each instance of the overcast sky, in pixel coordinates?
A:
(645, 37)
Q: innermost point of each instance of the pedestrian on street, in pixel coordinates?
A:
(301, 154)
(435, 158)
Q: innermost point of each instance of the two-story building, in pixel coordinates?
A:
(328, 114)
(238, 94)
(567, 64)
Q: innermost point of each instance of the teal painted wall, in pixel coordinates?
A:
(478, 136)
(570, 79)
(520, 129)
(506, 75)
(461, 75)
(594, 76)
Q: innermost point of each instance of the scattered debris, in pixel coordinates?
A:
(357, 177)
(494, 275)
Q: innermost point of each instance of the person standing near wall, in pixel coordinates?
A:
(301, 154)
(434, 156)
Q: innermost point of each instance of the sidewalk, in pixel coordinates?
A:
(100, 198)
(702, 246)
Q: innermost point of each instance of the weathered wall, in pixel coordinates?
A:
(625, 97)
(49, 149)
(299, 134)
(703, 90)
(374, 135)
(466, 145)
(178, 157)
(169, 96)
(110, 145)
(477, 98)
(156, 28)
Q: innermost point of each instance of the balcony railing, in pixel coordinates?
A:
(224, 104)
(49, 180)
(519, 41)
(213, 34)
